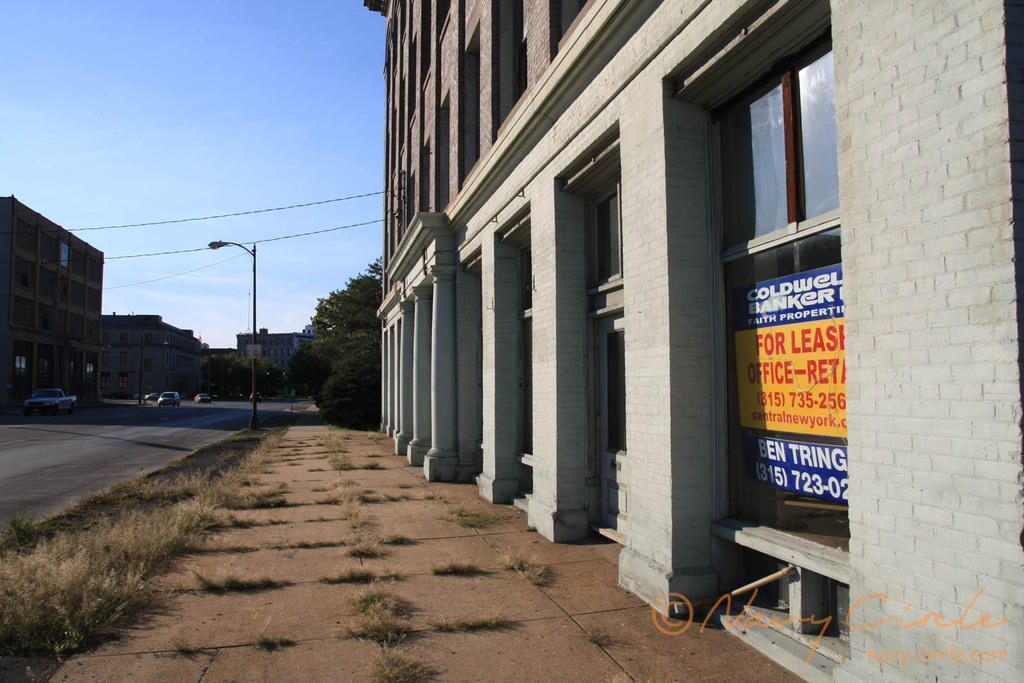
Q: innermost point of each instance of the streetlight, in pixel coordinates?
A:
(254, 422)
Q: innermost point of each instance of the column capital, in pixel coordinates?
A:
(420, 292)
(441, 272)
(408, 303)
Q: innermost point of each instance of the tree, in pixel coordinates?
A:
(309, 369)
(348, 338)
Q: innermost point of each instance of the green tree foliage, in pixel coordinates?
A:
(348, 339)
(309, 369)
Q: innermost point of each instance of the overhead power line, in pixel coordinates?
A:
(168, 277)
(230, 215)
(270, 239)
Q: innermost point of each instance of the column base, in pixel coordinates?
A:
(558, 525)
(440, 465)
(650, 580)
(499, 491)
(402, 440)
(416, 451)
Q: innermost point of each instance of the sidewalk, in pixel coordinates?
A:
(578, 626)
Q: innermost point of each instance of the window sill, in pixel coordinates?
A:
(525, 459)
(820, 559)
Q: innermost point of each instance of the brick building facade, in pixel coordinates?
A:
(735, 284)
(143, 354)
(51, 292)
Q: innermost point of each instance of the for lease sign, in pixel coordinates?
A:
(791, 353)
(791, 377)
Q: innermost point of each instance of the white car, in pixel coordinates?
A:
(169, 398)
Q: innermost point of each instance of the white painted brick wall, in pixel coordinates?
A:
(934, 386)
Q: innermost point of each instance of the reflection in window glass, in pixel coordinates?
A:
(753, 143)
(616, 350)
(768, 150)
(818, 137)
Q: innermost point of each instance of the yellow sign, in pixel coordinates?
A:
(792, 378)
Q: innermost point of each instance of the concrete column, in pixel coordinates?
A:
(384, 379)
(499, 480)
(441, 460)
(405, 374)
(422, 318)
(391, 380)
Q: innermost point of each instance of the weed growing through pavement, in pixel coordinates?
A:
(378, 597)
(365, 547)
(340, 462)
(351, 575)
(532, 570)
(269, 644)
(599, 638)
(184, 648)
(474, 624)
(474, 520)
(237, 583)
(456, 568)
(396, 539)
(394, 666)
(380, 612)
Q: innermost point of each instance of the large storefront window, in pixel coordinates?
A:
(787, 381)
(784, 291)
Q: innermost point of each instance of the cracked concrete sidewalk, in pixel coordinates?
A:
(579, 626)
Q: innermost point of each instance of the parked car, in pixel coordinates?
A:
(259, 397)
(120, 395)
(169, 398)
(203, 398)
(155, 396)
(50, 401)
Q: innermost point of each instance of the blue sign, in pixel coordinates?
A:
(811, 469)
(804, 297)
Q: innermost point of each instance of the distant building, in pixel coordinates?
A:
(167, 357)
(51, 292)
(277, 347)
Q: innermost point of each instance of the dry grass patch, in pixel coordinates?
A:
(340, 462)
(365, 547)
(53, 596)
(479, 624)
(396, 539)
(380, 610)
(271, 643)
(351, 575)
(394, 666)
(536, 573)
(378, 597)
(599, 638)
(354, 514)
(380, 628)
(185, 648)
(237, 583)
(474, 520)
(307, 545)
(455, 568)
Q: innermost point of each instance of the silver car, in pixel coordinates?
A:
(169, 398)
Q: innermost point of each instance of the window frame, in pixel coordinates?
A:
(786, 73)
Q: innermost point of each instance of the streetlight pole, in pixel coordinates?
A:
(254, 421)
(142, 339)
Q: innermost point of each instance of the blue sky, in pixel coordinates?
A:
(135, 111)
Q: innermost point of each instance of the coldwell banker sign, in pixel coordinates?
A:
(791, 372)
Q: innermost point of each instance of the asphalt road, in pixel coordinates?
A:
(48, 462)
